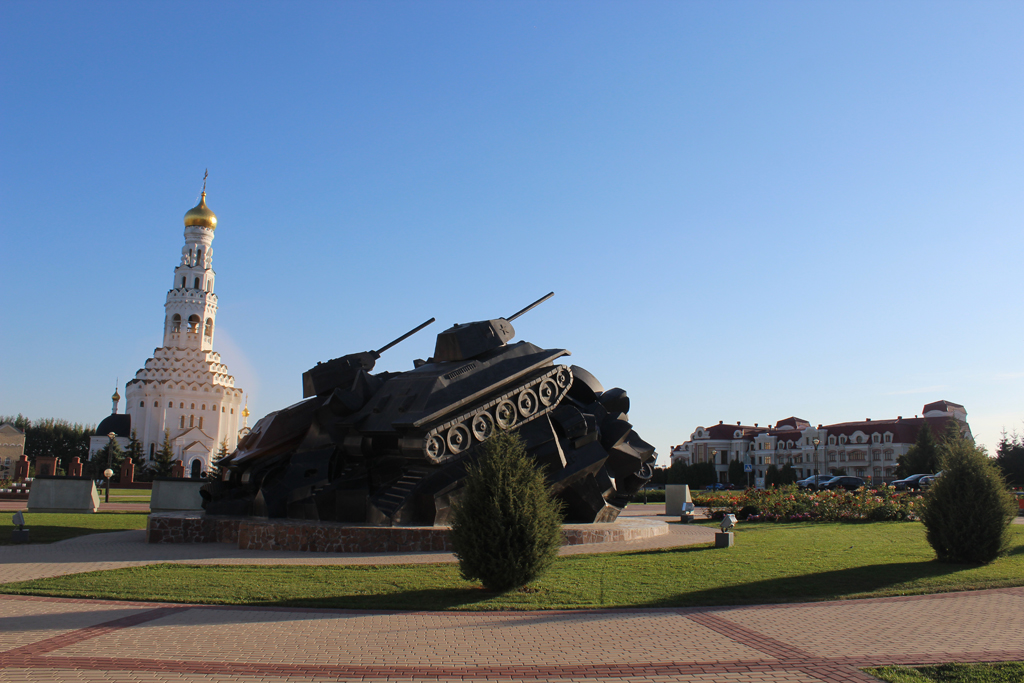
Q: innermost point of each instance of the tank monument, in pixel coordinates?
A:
(390, 449)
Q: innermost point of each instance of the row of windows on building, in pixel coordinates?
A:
(875, 438)
(170, 404)
(799, 459)
(184, 283)
(193, 324)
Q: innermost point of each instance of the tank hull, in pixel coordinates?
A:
(392, 448)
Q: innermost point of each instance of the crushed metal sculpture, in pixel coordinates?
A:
(391, 448)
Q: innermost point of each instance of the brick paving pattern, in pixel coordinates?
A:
(50, 639)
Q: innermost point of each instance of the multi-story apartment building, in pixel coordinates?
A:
(867, 449)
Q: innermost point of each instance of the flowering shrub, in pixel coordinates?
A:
(790, 504)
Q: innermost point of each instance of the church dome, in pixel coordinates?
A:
(201, 215)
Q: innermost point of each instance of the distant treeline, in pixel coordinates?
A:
(53, 436)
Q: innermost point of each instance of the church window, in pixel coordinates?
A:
(222, 409)
(152, 450)
(156, 404)
(191, 420)
(192, 407)
(181, 405)
(182, 421)
(184, 280)
(232, 411)
(176, 323)
(142, 404)
(204, 406)
(197, 284)
(199, 257)
(200, 421)
(209, 327)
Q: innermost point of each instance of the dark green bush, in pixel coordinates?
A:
(968, 509)
(506, 527)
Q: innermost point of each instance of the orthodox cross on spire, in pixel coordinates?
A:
(204, 179)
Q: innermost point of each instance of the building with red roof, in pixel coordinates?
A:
(866, 448)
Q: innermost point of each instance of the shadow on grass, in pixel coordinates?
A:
(433, 599)
(830, 585)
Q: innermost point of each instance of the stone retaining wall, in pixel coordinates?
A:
(333, 537)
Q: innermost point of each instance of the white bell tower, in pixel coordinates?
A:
(191, 307)
(184, 390)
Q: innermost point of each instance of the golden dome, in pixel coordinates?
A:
(116, 396)
(201, 215)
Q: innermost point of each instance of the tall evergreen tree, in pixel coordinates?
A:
(922, 457)
(134, 450)
(161, 465)
(1010, 458)
(223, 452)
(737, 477)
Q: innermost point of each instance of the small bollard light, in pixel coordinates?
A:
(725, 538)
(19, 535)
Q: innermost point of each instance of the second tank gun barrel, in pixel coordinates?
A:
(403, 337)
(532, 306)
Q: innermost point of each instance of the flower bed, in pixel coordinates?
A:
(790, 504)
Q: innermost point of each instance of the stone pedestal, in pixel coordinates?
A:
(175, 494)
(63, 494)
(46, 466)
(127, 472)
(21, 468)
(75, 467)
(676, 495)
(724, 540)
(19, 536)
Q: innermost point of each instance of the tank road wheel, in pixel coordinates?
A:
(483, 426)
(505, 414)
(434, 448)
(527, 402)
(548, 391)
(563, 378)
(458, 439)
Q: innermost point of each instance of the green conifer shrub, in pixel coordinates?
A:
(968, 509)
(506, 527)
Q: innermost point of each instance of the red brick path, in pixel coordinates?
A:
(49, 639)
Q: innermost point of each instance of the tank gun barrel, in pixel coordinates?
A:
(532, 306)
(404, 337)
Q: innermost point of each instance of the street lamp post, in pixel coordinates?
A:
(714, 462)
(816, 471)
(108, 473)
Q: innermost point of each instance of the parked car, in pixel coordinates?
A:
(926, 481)
(719, 487)
(814, 482)
(844, 482)
(911, 483)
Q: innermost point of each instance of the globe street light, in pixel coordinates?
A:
(110, 456)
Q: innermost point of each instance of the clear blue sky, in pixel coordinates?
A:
(747, 210)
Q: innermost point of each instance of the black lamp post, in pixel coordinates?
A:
(108, 473)
(816, 471)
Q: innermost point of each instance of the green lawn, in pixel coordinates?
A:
(770, 563)
(1008, 672)
(47, 528)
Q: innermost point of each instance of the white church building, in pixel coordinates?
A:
(184, 387)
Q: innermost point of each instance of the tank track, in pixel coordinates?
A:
(450, 440)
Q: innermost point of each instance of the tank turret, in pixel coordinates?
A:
(323, 378)
(462, 342)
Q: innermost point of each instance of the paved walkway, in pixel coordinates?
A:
(48, 639)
